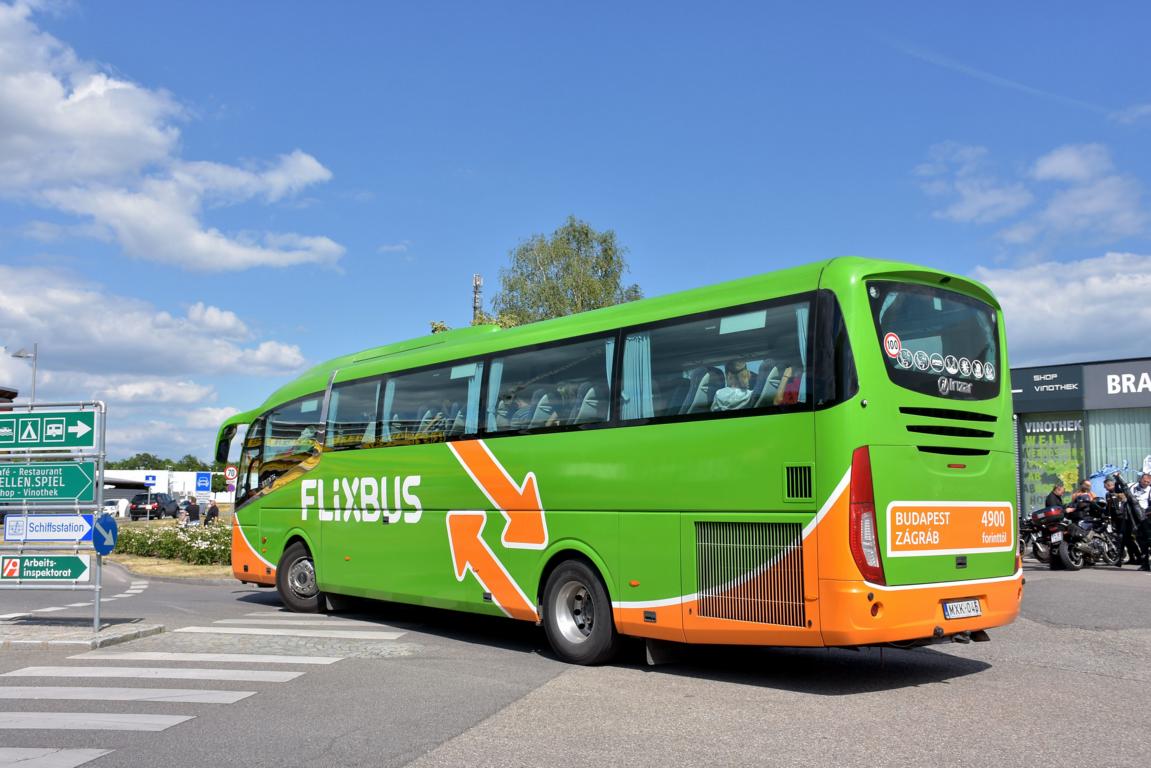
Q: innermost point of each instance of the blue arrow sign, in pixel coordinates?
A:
(104, 534)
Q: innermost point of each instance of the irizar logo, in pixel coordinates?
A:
(363, 499)
(949, 385)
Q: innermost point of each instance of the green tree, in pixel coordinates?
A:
(573, 270)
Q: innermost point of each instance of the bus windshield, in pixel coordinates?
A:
(935, 341)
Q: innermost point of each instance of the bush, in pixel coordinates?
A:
(210, 545)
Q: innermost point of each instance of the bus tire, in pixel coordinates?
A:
(296, 580)
(577, 615)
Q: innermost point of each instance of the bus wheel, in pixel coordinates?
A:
(296, 580)
(577, 615)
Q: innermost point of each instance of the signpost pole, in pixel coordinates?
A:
(96, 601)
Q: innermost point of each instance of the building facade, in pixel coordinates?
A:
(1072, 420)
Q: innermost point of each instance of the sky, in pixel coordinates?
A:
(200, 200)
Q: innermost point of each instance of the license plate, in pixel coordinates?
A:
(961, 609)
(1057, 537)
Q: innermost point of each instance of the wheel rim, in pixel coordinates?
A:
(574, 612)
(302, 578)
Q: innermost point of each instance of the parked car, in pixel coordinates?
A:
(151, 506)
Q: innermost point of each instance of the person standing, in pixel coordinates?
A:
(1142, 494)
(1120, 513)
(1055, 498)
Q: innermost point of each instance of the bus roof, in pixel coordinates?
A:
(486, 339)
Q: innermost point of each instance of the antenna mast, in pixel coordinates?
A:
(477, 297)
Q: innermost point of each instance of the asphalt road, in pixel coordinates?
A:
(1067, 684)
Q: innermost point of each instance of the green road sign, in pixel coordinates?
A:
(44, 568)
(48, 481)
(47, 429)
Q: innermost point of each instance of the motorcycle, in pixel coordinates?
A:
(1033, 537)
(1085, 537)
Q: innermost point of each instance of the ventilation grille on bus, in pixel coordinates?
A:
(798, 482)
(940, 428)
(751, 572)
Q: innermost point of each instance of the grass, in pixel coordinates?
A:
(165, 568)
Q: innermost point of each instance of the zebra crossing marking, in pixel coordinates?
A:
(302, 622)
(159, 673)
(95, 693)
(88, 721)
(254, 658)
(48, 757)
(342, 634)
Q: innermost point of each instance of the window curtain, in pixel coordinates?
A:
(1119, 435)
(389, 401)
(801, 317)
(609, 353)
(636, 396)
(495, 378)
(472, 419)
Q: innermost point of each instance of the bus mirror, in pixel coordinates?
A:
(225, 443)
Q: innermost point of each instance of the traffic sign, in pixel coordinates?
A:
(149, 481)
(48, 481)
(37, 527)
(105, 535)
(47, 429)
(44, 568)
(231, 473)
(203, 481)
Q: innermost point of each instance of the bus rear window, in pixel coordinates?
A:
(935, 341)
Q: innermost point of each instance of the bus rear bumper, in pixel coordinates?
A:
(860, 613)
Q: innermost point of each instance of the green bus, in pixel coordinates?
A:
(819, 456)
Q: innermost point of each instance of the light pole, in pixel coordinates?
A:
(34, 355)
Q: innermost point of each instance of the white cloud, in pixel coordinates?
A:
(100, 333)
(220, 321)
(1080, 196)
(401, 247)
(78, 140)
(155, 390)
(1091, 309)
(209, 418)
(958, 172)
(1073, 163)
(1132, 114)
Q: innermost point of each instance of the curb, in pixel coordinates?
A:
(195, 580)
(85, 644)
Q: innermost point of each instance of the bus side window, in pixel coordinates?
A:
(744, 360)
(352, 415)
(557, 386)
(431, 405)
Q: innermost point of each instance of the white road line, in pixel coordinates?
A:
(8, 616)
(79, 605)
(286, 614)
(48, 757)
(50, 610)
(285, 632)
(153, 673)
(139, 584)
(88, 721)
(254, 658)
(329, 623)
(178, 695)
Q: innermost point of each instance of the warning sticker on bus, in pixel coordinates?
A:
(918, 528)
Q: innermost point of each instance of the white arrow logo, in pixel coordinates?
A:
(80, 429)
(107, 534)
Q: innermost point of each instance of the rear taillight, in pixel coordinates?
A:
(155, 505)
(864, 534)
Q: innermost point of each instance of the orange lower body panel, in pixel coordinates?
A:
(911, 613)
(246, 564)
